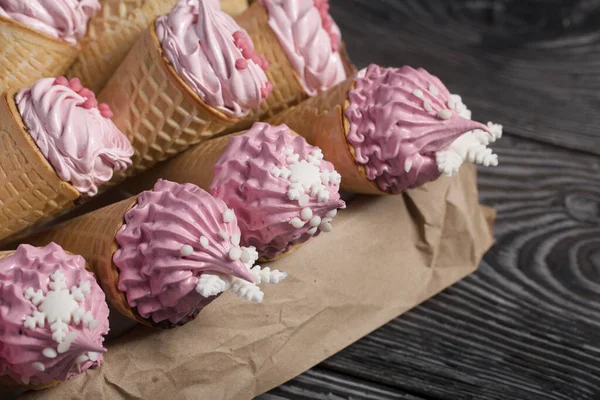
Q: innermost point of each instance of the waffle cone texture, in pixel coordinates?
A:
(155, 109)
(234, 7)
(321, 120)
(27, 55)
(110, 35)
(287, 89)
(30, 189)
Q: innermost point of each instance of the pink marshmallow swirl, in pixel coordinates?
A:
(74, 132)
(53, 316)
(310, 39)
(214, 56)
(63, 19)
(400, 118)
(279, 186)
(174, 234)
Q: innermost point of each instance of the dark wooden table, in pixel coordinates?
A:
(526, 325)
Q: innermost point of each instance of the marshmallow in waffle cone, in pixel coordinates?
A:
(234, 7)
(388, 129)
(30, 189)
(157, 111)
(47, 167)
(27, 55)
(287, 87)
(63, 335)
(110, 35)
(155, 237)
(240, 169)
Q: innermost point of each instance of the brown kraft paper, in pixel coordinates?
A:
(385, 255)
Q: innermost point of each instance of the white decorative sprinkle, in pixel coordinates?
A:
(316, 221)
(59, 307)
(496, 130)
(204, 241)
(251, 250)
(471, 147)
(418, 93)
(65, 345)
(312, 230)
(247, 291)
(38, 366)
(228, 215)
(246, 257)
(235, 253)
(326, 227)
(326, 220)
(49, 352)
(433, 89)
(235, 239)
(211, 285)
(407, 166)
(224, 235)
(306, 214)
(332, 213)
(25, 380)
(266, 275)
(445, 114)
(303, 200)
(186, 250)
(427, 106)
(297, 223)
(275, 172)
(81, 359)
(93, 355)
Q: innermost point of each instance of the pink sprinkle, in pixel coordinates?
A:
(241, 63)
(90, 103)
(238, 37)
(105, 110)
(75, 85)
(261, 61)
(87, 93)
(247, 53)
(61, 81)
(266, 90)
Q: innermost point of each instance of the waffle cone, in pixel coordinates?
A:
(322, 122)
(157, 111)
(234, 7)
(93, 237)
(287, 89)
(30, 189)
(27, 55)
(110, 35)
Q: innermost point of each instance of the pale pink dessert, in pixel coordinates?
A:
(407, 129)
(279, 186)
(63, 19)
(178, 249)
(310, 39)
(53, 316)
(214, 56)
(74, 132)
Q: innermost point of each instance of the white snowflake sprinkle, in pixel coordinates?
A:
(59, 307)
(235, 239)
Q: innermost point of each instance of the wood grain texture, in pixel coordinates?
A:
(530, 64)
(525, 325)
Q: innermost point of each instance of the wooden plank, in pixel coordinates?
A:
(525, 325)
(319, 383)
(531, 65)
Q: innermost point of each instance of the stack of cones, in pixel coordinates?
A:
(27, 55)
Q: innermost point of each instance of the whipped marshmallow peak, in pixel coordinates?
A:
(74, 132)
(310, 39)
(214, 56)
(53, 316)
(63, 19)
(281, 189)
(178, 249)
(407, 129)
